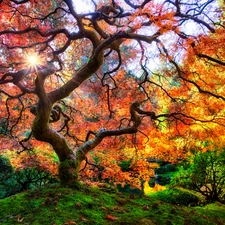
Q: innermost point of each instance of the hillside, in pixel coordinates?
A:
(56, 205)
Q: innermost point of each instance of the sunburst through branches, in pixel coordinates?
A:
(33, 61)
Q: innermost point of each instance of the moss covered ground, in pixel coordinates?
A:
(62, 206)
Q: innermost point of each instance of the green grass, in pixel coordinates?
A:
(60, 206)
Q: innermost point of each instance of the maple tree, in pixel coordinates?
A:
(111, 82)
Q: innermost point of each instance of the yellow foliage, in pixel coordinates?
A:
(148, 189)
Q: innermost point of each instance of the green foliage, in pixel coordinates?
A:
(178, 197)
(12, 182)
(7, 184)
(205, 175)
(161, 170)
(184, 164)
(8, 187)
(125, 165)
(29, 178)
(170, 167)
(55, 157)
(5, 168)
(3, 126)
(127, 188)
(182, 178)
(165, 169)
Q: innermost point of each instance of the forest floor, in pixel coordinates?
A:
(64, 206)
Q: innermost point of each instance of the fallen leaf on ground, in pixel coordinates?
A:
(110, 217)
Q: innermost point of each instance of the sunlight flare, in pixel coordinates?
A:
(33, 61)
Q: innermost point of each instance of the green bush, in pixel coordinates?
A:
(3, 126)
(12, 182)
(165, 169)
(161, 170)
(127, 188)
(8, 188)
(29, 178)
(125, 165)
(205, 175)
(8, 185)
(170, 167)
(182, 178)
(6, 169)
(178, 197)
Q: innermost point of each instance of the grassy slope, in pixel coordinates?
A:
(94, 206)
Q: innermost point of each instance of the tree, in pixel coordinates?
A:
(66, 72)
(205, 175)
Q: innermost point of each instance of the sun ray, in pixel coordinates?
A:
(33, 61)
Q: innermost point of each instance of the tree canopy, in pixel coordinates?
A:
(112, 81)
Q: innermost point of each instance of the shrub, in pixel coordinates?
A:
(6, 182)
(170, 167)
(8, 188)
(29, 178)
(205, 175)
(3, 126)
(12, 182)
(178, 197)
(125, 165)
(6, 169)
(161, 170)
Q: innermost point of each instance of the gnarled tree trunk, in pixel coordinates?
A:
(70, 160)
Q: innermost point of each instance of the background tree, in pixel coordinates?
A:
(204, 175)
(66, 72)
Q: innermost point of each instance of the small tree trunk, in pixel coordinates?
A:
(213, 197)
